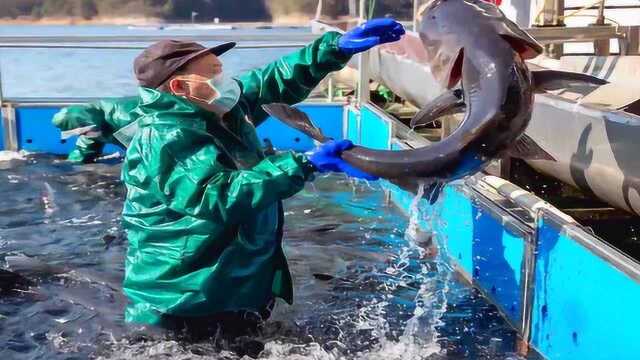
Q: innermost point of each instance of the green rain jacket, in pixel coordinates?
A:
(107, 115)
(203, 210)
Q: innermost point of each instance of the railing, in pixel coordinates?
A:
(552, 17)
(252, 41)
(8, 105)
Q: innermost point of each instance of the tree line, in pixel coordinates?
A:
(226, 10)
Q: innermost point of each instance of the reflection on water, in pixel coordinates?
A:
(363, 290)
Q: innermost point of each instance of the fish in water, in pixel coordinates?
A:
(49, 200)
(12, 282)
(29, 266)
(495, 82)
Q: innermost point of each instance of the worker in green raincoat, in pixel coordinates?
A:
(96, 124)
(203, 210)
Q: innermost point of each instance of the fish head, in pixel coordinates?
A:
(449, 26)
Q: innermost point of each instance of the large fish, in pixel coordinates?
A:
(472, 43)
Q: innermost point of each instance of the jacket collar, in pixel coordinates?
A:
(157, 107)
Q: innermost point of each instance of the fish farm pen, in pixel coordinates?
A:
(551, 245)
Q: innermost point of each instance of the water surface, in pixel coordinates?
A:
(382, 296)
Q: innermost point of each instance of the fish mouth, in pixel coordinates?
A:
(524, 47)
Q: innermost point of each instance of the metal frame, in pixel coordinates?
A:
(10, 127)
(345, 121)
(8, 105)
(1, 93)
(529, 286)
(598, 247)
(389, 121)
(363, 65)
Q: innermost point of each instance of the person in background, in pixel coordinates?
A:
(102, 118)
(203, 211)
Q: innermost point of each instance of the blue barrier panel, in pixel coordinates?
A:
(353, 132)
(488, 244)
(375, 132)
(474, 234)
(36, 132)
(584, 307)
(326, 117)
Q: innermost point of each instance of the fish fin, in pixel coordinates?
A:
(526, 148)
(445, 104)
(295, 118)
(552, 80)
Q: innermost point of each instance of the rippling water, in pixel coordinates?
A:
(381, 296)
(64, 73)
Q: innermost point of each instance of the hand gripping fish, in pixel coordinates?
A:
(469, 42)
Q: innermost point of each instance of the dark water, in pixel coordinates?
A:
(382, 296)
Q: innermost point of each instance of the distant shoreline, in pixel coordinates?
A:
(289, 20)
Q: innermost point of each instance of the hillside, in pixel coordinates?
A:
(182, 10)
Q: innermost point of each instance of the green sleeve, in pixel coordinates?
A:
(193, 180)
(87, 150)
(292, 78)
(74, 117)
(107, 115)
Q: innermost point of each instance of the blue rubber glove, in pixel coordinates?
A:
(369, 34)
(326, 158)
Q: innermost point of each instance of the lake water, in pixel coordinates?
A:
(65, 73)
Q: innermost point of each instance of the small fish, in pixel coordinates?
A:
(29, 266)
(49, 199)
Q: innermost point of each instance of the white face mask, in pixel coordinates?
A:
(225, 93)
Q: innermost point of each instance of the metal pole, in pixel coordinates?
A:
(600, 19)
(363, 10)
(319, 10)
(602, 47)
(416, 7)
(353, 8)
(363, 64)
(1, 97)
